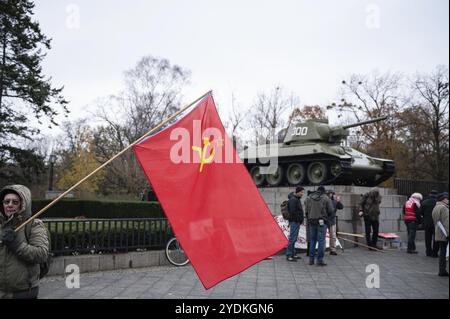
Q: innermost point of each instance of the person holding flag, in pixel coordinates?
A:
(219, 217)
(20, 254)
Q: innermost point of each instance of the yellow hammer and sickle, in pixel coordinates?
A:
(202, 152)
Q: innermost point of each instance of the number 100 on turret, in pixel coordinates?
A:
(300, 131)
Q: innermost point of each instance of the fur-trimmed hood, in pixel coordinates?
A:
(25, 199)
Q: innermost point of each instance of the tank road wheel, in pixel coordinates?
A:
(295, 174)
(335, 169)
(317, 173)
(276, 178)
(257, 177)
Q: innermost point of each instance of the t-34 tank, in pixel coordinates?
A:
(312, 154)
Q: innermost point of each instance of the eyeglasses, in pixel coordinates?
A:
(13, 201)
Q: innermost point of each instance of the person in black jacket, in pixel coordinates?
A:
(295, 220)
(427, 209)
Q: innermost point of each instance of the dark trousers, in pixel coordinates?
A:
(27, 294)
(432, 246)
(371, 227)
(411, 227)
(442, 256)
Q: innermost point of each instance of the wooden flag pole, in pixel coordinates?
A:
(109, 161)
(349, 234)
(354, 242)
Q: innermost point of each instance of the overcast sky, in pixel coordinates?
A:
(240, 47)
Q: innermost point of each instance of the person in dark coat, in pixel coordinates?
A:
(295, 209)
(369, 208)
(427, 209)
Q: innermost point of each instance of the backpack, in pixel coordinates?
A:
(44, 267)
(285, 210)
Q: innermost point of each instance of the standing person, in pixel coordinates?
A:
(336, 201)
(440, 218)
(412, 217)
(428, 204)
(143, 194)
(318, 207)
(369, 208)
(295, 220)
(20, 254)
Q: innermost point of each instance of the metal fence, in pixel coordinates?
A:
(407, 187)
(84, 236)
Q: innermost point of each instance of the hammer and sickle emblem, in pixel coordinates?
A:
(202, 152)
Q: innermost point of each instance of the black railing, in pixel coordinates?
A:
(407, 187)
(91, 236)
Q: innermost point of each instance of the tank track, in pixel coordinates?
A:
(343, 178)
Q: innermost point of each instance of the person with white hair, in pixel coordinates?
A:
(412, 216)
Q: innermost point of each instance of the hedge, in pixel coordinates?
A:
(70, 208)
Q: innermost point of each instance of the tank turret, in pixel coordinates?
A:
(311, 154)
(319, 130)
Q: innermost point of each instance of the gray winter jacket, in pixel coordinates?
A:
(440, 213)
(318, 206)
(19, 271)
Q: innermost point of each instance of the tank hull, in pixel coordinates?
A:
(274, 165)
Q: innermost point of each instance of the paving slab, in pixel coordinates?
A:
(401, 276)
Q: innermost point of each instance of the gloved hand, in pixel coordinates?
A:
(360, 214)
(9, 238)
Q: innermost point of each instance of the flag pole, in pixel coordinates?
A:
(109, 161)
(360, 244)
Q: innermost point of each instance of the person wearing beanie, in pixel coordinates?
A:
(440, 218)
(431, 247)
(369, 209)
(412, 217)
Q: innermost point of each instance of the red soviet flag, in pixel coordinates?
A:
(212, 204)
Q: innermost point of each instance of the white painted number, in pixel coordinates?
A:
(301, 131)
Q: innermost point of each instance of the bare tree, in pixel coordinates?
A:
(153, 91)
(432, 104)
(235, 122)
(371, 96)
(269, 111)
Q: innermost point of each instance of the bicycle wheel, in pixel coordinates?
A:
(175, 254)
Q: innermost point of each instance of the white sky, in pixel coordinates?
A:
(240, 47)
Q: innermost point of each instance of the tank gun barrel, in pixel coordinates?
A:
(365, 122)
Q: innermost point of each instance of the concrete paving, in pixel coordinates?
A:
(402, 276)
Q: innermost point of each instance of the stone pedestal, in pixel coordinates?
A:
(348, 219)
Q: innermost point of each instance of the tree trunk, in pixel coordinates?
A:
(2, 70)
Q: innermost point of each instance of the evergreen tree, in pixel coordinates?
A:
(24, 89)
